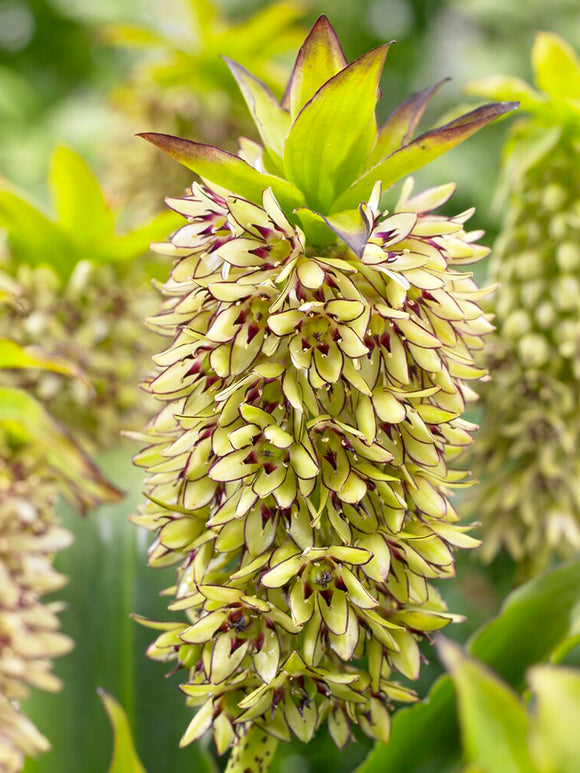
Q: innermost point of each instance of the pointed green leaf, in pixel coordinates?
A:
(399, 127)
(333, 134)
(14, 356)
(493, 720)
(78, 200)
(34, 238)
(226, 170)
(555, 739)
(556, 66)
(506, 88)
(272, 121)
(352, 226)
(320, 58)
(421, 151)
(125, 759)
(534, 621)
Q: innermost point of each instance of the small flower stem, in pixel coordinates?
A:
(254, 753)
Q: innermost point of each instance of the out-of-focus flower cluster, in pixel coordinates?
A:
(39, 461)
(299, 466)
(527, 455)
(82, 290)
(29, 635)
(93, 320)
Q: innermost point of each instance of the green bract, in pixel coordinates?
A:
(312, 390)
(81, 295)
(528, 453)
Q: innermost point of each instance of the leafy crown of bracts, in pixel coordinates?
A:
(323, 151)
(312, 395)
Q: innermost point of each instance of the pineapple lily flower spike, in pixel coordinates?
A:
(528, 457)
(312, 394)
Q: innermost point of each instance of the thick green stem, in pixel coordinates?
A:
(254, 753)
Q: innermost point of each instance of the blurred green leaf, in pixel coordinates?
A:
(78, 200)
(493, 719)
(33, 237)
(556, 66)
(505, 88)
(555, 739)
(125, 759)
(534, 621)
(15, 356)
(136, 243)
(27, 420)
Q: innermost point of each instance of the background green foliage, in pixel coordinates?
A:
(56, 78)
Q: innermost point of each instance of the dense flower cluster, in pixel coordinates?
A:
(299, 466)
(527, 457)
(29, 635)
(528, 449)
(94, 321)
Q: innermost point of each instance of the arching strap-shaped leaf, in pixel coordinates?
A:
(400, 126)
(493, 720)
(333, 134)
(125, 759)
(226, 170)
(353, 226)
(556, 66)
(78, 200)
(421, 151)
(272, 121)
(320, 58)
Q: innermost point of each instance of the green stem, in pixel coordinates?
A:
(254, 753)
